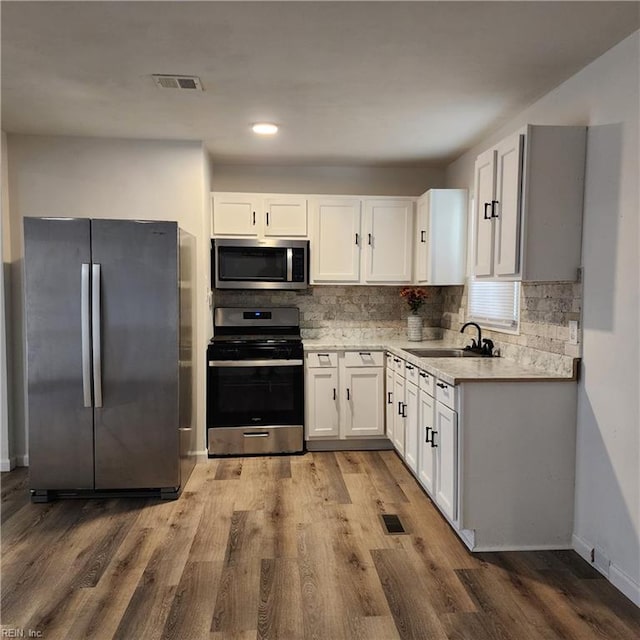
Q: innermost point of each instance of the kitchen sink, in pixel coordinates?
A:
(444, 353)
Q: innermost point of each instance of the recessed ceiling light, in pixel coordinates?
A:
(265, 128)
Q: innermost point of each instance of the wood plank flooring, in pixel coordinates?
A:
(285, 548)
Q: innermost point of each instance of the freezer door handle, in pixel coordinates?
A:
(86, 334)
(96, 335)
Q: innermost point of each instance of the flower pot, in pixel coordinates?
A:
(414, 328)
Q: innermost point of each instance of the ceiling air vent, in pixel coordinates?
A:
(186, 83)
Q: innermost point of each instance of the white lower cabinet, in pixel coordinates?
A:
(411, 396)
(389, 403)
(427, 452)
(445, 440)
(344, 395)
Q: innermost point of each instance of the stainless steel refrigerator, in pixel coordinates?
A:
(109, 357)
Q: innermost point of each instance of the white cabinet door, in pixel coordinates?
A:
(445, 438)
(285, 216)
(322, 403)
(362, 398)
(426, 455)
(483, 222)
(236, 214)
(335, 240)
(411, 426)
(422, 239)
(507, 209)
(389, 402)
(388, 238)
(398, 414)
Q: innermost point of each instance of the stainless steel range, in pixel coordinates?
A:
(255, 383)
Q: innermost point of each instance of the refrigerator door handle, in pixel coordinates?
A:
(97, 337)
(86, 334)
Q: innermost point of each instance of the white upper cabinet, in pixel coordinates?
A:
(236, 214)
(259, 215)
(440, 237)
(285, 216)
(388, 229)
(528, 205)
(336, 240)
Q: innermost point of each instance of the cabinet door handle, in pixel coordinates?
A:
(404, 406)
(486, 210)
(334, 394)
(357, 238)
(493, 208)
(442, 386)
(370, 239)
(348, 396)
(399, 408)
(267, 218)
(423, 236)
(254, 218)
(433, 433)
(389, 400)
(426, 439)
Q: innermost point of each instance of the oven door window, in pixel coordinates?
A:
(261, 264)
(255, 396)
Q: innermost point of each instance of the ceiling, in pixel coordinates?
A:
(364, 83)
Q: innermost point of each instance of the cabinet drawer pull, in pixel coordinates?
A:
(442, 386)
(389, 400)
(364, 353)
(422, 236)
(410, 368)
(493, 208)
(486, 210)
(396, 360)
(323, 355)
(423, 374)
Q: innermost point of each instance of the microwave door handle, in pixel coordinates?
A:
(289, 264)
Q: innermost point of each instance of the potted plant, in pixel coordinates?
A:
(415, 297)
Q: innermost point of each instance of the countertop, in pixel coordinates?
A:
(450, 370)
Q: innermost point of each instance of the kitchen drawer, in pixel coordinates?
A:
(398, 365)
(446, 394)
(389, 359)
(427, 382)
(363, 359)
(411, 372)
(322, 359)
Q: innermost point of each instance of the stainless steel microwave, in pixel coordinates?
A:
(260, 264)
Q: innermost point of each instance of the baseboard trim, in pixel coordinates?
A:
(617, 577)
(22, 461)
(6, 464)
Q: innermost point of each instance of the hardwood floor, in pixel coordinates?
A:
(285, 547)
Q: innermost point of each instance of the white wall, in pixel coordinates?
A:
(104, 178)
(7, 460)
(604, 96)
(378, 181)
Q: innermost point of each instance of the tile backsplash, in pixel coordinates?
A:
(366, 312)
(545, 311)
(370, 313)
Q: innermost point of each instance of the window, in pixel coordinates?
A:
(495, 304)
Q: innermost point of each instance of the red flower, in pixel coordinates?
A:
(415, 297)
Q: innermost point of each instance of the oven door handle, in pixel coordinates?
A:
(255, 363)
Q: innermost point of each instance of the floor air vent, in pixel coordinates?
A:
(392, 523)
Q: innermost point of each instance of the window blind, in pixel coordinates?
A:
(495, 303)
